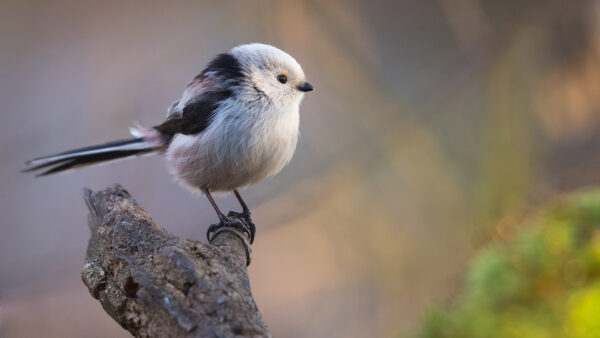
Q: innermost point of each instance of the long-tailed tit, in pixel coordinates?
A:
(236, 123)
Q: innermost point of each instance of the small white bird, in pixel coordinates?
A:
(236, 123)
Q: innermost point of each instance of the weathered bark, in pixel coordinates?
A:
(157, 285)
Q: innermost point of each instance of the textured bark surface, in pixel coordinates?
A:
(157, 285)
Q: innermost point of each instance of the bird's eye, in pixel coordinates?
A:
(282, 78)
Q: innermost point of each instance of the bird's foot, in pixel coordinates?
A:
(240, 221)
(245, 218)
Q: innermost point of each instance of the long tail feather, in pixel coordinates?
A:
(90, 155)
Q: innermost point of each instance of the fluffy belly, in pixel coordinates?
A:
(215, 162)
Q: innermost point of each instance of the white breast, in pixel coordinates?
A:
(237, 149)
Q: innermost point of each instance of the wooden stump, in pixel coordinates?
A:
(157, 285)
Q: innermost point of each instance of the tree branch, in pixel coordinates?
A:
(157, 285)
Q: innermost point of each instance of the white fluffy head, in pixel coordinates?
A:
(272, 71)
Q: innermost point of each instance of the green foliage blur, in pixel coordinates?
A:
(544, 282)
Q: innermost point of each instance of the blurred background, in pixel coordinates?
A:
(435, 128)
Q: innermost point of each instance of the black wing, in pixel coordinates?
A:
(199, 110)
(196, 114)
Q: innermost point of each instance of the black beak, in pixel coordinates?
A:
(305, 87)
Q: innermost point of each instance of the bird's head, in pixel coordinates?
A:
(271, 72)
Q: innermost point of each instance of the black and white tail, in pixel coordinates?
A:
(91, 155)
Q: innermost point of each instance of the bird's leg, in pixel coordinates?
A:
(221, 216)
(244, 215)
(245, 209)
(226, 221)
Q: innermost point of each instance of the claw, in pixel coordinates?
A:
(241, 222)
(244, 217)
(212, 228)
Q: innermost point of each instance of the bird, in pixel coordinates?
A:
(236, 123)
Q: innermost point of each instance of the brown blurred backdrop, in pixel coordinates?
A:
(434, 126)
